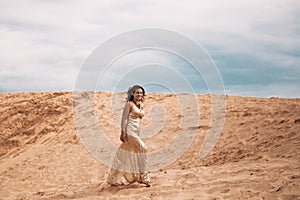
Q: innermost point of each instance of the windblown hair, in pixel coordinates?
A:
(131, 90)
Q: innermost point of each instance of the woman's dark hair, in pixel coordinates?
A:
(132, 89)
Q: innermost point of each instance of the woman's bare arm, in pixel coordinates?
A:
(125, 114)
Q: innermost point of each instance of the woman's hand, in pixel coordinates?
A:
(142, 114)
(123, 136)
(141, 105)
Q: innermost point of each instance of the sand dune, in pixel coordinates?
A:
(257, 155)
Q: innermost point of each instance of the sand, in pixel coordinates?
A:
(257, 155)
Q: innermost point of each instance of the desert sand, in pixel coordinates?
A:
(257, 155)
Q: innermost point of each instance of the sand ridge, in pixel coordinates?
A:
(256, 157)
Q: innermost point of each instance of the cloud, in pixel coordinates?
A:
(165, 71)
(253, 43)
(266, 91)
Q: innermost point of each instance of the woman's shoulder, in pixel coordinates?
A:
(130, 104)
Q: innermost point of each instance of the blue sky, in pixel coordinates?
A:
(255, 44)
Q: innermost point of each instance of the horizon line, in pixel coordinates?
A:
(152, 92)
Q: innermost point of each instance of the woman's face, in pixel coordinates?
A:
(138, 95)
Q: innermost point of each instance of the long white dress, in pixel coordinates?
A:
(130, 162)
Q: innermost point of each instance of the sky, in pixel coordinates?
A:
(255, 45)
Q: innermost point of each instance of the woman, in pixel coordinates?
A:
(130, 162)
